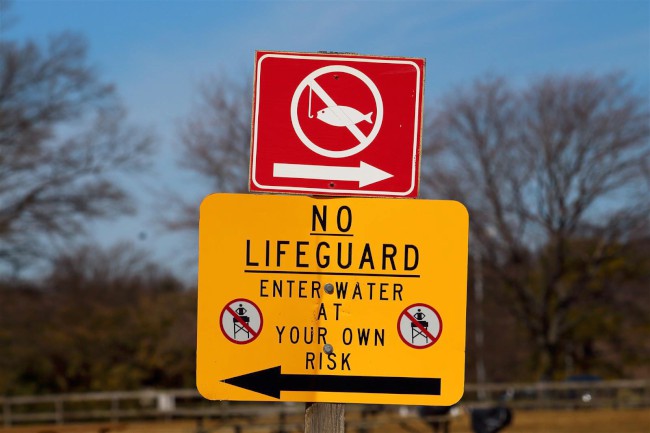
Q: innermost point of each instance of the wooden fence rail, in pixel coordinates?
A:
(187, 403)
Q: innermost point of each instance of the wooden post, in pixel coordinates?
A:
(324, 418)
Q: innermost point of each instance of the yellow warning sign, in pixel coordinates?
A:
(347, 300)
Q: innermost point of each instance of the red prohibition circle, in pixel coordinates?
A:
(244, 327)
(423, 332)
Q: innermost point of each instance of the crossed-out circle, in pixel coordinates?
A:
(414, 330)
(241, 321)
(363, 143)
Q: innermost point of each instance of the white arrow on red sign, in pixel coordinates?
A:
(365, 174)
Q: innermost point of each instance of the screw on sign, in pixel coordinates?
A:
(241, 321)
(336, 124)
(419, 326)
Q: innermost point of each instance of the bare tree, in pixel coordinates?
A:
(63, 139)
(555, 179)
(215, 143)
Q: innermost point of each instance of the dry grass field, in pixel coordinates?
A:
(581, 421)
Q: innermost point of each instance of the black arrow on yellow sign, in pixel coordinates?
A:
(271, 382)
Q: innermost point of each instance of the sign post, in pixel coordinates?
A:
(324, 418)
(339, 300)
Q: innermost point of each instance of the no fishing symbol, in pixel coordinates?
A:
(241, 321)
(359, 127)
(336, 124)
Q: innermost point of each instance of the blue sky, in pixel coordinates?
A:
(158, 52)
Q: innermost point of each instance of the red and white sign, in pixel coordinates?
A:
(334, 124)
(241, 321)
(419, 326)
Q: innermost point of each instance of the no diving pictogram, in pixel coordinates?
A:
(419, 326)
(241, 321)
(335, 115)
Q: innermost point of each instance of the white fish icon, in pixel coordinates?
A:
(340, 115)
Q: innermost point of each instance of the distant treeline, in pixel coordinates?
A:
(101, 320)
(109, 319)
